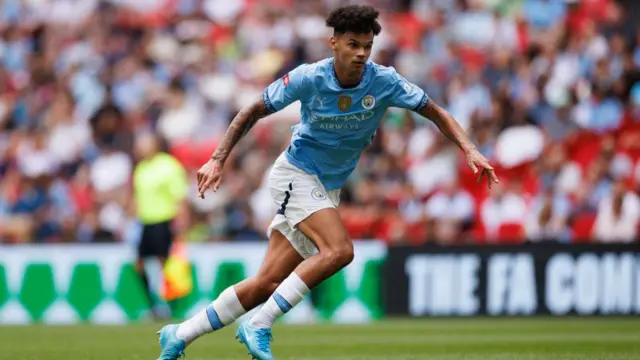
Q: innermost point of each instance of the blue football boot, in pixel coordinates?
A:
(172, 347)
(257, 341)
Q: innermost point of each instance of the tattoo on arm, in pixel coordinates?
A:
(239, 127)
(447, 124)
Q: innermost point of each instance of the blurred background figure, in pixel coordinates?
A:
(160, 187)
(450, 212)
(548, 219)
(618, 215)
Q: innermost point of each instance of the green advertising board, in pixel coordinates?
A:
(66, 284)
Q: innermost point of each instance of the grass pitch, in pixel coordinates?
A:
(468, 339)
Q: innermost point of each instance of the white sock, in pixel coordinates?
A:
(287, 295)
(221, 312)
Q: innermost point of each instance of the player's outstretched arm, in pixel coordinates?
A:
(210, 174)
(451, 129)
(239, 127)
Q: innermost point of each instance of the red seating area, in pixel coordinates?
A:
(583, 148)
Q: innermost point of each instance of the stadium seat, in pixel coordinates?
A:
(416, 233)
(584, 148)
(479, 233)
(511, 233)
(582, 227)
(358, 225)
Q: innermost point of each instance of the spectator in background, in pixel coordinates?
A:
(160, 188)
(544, 14)
(75, 86)
(505, 206)
(181, 116)
(449, 212)
(547, 219)
(110, 173)
(618, 216)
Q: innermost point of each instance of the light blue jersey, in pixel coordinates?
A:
(338, 123)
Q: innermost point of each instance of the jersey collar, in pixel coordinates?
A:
(367, 66)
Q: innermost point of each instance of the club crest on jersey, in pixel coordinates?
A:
(285, 80)
(368, 102)
(318, 194)
(344, 102)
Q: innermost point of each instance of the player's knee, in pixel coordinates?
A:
(346, 254)
(341, 255)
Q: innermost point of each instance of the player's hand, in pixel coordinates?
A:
(477, 161)
(209, 176)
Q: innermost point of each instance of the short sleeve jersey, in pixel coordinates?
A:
(338, 124)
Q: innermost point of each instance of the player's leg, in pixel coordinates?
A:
(324, 230)
(163, 239)
(144, 279)
(280, 260)
(145, 250)
(156, 242)
(335, 251)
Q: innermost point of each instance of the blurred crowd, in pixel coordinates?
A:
(548, 89)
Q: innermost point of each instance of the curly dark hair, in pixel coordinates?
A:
(358, 19)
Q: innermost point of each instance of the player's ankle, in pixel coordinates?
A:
(261, 322)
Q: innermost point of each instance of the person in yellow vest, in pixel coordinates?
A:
(160, 188)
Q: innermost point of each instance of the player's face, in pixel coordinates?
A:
(352, 50)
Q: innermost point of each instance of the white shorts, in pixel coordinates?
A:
(297, 195)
